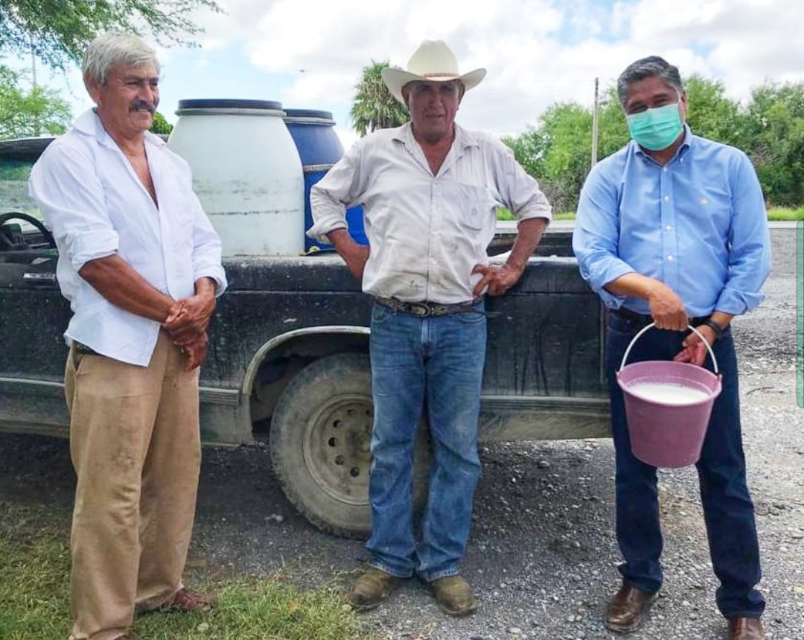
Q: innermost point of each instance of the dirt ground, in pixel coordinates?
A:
(542, 555)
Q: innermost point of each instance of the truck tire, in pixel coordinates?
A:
(320, 445)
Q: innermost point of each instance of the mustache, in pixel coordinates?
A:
(142, 105)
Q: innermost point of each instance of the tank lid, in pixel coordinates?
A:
(226, 103)
(308, 113)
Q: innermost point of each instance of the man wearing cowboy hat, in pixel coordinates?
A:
(430, 191)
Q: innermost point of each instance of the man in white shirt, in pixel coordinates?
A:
(141, 265)
(430, 191)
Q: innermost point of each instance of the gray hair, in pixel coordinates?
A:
(652, 66)
(110, 49)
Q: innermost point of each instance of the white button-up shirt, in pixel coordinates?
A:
(426, 232)
(96, 206)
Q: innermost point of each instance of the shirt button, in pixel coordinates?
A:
(670, 258)
(664, 169)
(669, 227)
(667, 198)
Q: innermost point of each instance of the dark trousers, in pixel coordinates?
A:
(727, 505)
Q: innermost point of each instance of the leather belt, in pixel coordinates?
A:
(82, 348)
(639, 319)
(643, 320)
(425, 309)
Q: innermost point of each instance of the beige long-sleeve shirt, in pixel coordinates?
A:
(426, 232)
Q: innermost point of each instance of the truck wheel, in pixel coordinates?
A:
(320, 445)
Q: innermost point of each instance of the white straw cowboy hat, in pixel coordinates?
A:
(433, 61)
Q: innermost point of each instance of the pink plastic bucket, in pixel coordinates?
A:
(667, 405)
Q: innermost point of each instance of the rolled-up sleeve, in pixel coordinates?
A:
(70, 196)
(595, 238)
(330, 196)
(749, 239)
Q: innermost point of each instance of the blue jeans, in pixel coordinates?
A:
(727, 506)
(437, 362)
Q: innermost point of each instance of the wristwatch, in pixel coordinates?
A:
(714, 326)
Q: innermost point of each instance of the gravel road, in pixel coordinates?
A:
(542, 555)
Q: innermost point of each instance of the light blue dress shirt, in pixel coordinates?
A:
(698, 224)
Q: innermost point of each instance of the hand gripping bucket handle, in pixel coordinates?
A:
(653, 324)
(665, 433)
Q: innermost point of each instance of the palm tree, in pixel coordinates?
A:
(374, 107)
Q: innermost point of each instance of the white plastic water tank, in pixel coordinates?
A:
(247, 173)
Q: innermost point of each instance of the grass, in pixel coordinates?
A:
(784, 213)
(34, 598)
(775, 214)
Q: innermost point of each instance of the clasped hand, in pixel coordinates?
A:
(187, 323)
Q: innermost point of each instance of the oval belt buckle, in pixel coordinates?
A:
(420, 309)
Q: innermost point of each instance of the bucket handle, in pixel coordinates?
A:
(653, 324)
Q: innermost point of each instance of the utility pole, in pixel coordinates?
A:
(594, 126)
(37, 124)
(33, 64)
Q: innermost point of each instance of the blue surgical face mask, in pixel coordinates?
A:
(657, 128)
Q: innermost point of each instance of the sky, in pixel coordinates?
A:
(308, 54)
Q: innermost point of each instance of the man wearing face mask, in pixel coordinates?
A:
(672, 229)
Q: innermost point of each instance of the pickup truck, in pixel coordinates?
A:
(288, 358)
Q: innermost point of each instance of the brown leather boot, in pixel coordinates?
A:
(627, 609)
(371, 589)
(453, 595)
(746, 629)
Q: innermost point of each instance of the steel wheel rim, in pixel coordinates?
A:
(336, 448)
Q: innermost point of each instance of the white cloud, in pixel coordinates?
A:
(320, 88)
(741, 42)
(537, 52)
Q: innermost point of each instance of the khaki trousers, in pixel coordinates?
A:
(135, 445)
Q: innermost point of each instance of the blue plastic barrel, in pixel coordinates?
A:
(319, 149)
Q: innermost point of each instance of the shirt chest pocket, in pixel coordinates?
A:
(715, 205)
(472, 206)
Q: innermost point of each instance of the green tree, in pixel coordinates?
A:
(29, 113)
(557, 152)
(59, 30)
(711, 115)
(529, 150)
(774, 121)
(612, 128)
(374, 107)
(161, 125)
(568, 128)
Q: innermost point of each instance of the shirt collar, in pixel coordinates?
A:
(89, 124)
(463, 138)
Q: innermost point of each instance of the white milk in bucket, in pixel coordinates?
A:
(668, 405)
(668, 393)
